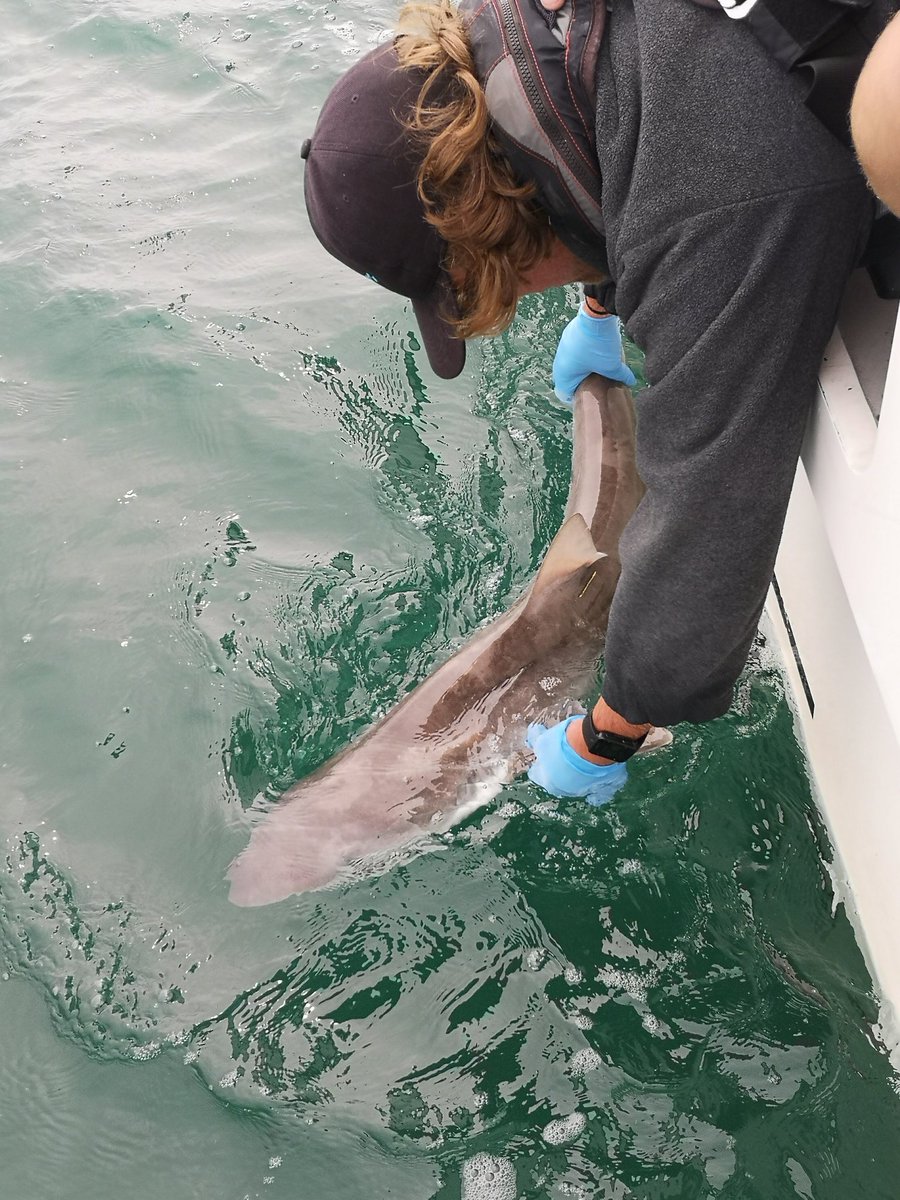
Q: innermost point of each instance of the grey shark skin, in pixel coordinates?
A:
(435, 755)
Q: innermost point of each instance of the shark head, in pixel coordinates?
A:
(281, 859)
(306, 841)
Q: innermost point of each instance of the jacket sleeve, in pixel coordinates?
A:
(733, 308)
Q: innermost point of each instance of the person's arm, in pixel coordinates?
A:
(733, 308)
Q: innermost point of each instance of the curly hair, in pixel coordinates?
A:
(494, 230)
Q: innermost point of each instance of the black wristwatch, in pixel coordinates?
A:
(609, 745)
(603, 293)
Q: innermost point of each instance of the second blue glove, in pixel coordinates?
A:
(589, 345)
(561, 771)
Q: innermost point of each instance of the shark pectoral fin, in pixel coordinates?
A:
(572, 549)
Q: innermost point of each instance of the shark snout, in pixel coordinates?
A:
(281, 861)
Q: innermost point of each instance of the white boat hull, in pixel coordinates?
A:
(835, 612)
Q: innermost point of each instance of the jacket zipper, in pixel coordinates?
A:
(548, 119)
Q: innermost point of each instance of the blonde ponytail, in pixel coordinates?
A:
(494, 230)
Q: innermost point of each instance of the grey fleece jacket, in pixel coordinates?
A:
(733, 219)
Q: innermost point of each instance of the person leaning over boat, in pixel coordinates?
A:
(733, 219)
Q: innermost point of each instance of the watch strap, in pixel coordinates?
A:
(603, 293)
(604, 744)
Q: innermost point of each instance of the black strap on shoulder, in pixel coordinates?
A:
(794, 30)
(823, 42)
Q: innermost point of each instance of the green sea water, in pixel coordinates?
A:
(240, 520)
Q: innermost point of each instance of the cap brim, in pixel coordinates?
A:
(446, 351)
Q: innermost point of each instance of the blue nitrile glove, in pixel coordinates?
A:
(589, 344)
(561, 771)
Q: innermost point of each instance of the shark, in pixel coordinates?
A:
(453, 741)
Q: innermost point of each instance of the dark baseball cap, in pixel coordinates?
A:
(360, 187)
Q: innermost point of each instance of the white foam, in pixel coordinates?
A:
(565, 1129)
(509, 809)
(481, 792)
(632, 983)
(585, 1060)
(143, 1053)
(547, 808)
(488, 1177)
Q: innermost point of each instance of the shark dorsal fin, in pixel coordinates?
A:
(571, 549)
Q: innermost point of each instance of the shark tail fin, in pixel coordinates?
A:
(572, 549)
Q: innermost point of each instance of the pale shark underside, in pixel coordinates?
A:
(452, 742)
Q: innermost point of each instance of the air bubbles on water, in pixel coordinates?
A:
(584, 1061)
(509, 809)
(629, 983)
(565, 1129)
(548, 809)
(488, 1177)
(346, 32)
(143, 1053)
